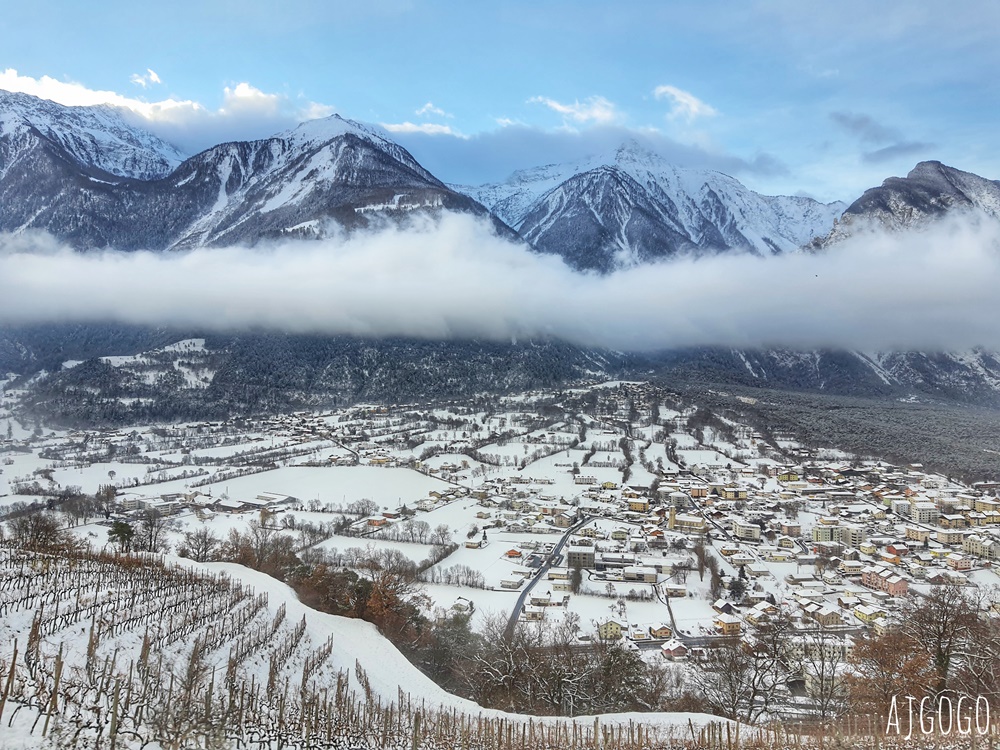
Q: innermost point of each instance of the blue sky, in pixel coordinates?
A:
(789, 96)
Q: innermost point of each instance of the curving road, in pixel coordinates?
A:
(516, 611)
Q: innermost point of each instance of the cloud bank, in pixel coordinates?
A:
(491, 156)
(453, 278)
(872, 133)
(246, 112)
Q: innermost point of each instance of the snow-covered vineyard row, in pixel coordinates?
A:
(125, 651)
(129, 652)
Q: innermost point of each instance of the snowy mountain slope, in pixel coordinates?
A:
(325, 175)
(602, 219)
(969, 377)
(94, 137)
(930, 191)
(692, 209)
(130, 376)
(331, 170)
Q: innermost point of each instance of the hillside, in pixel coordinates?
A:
(140, 650)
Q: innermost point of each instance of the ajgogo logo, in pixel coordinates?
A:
(964, 715)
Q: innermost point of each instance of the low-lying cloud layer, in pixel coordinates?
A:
(452, 278)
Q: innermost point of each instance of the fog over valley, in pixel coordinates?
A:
(932, 289)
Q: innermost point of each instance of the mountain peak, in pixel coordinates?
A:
(99, 136)
(630, 205)
(928, 167)
(631, 150)
(930, 191)
(326, 129)
(57, 169)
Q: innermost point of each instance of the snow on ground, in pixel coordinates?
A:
(657, 453)
(389, 672)
(337, 485)
(90, 478)
(486, 603)
(684, 440)
(411, 550)
(700, 456)
(490, 560)
(187, 345)
(693, 613)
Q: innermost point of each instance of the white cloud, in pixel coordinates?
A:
(430, 109)
(316, 111)
(147, 79)
(921, 290)
(246, 98)
(246, 112)
(74, 94)
(684, 105)
(594, 109)
(427, 128)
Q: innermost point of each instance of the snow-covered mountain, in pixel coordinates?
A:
(92, 137)
(930, 191)
(91, 179)
(632, 206)
(325, 175)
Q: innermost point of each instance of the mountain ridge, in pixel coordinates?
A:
(320, 177)
(332, 174)
(929, 191)
(680, 211)
(94, 137)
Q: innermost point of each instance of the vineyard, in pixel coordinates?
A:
(114, 651)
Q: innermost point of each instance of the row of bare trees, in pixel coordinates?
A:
(945, 643)
(543, 668)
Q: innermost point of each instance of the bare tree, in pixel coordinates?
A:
(823, 661)
(701, 557)
(886, 665)
(739, 676)
(944, 624)
(200, 544)
(79, 508)
(152, 531)
(37, 529)
(441, 535)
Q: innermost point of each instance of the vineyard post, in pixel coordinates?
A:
(54, 703)
(9, 682)
(113, 731)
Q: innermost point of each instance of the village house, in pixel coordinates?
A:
(659, 630)
(950, 536)
(745, 530)
(851, 567)
(533, 612)
(956, 561)
(638, 504)
(674, 650)
(610, 630)
(884, 579)
(639, 573)
(868, 614)
(675, 590)
(581, 557)
(727, 624)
